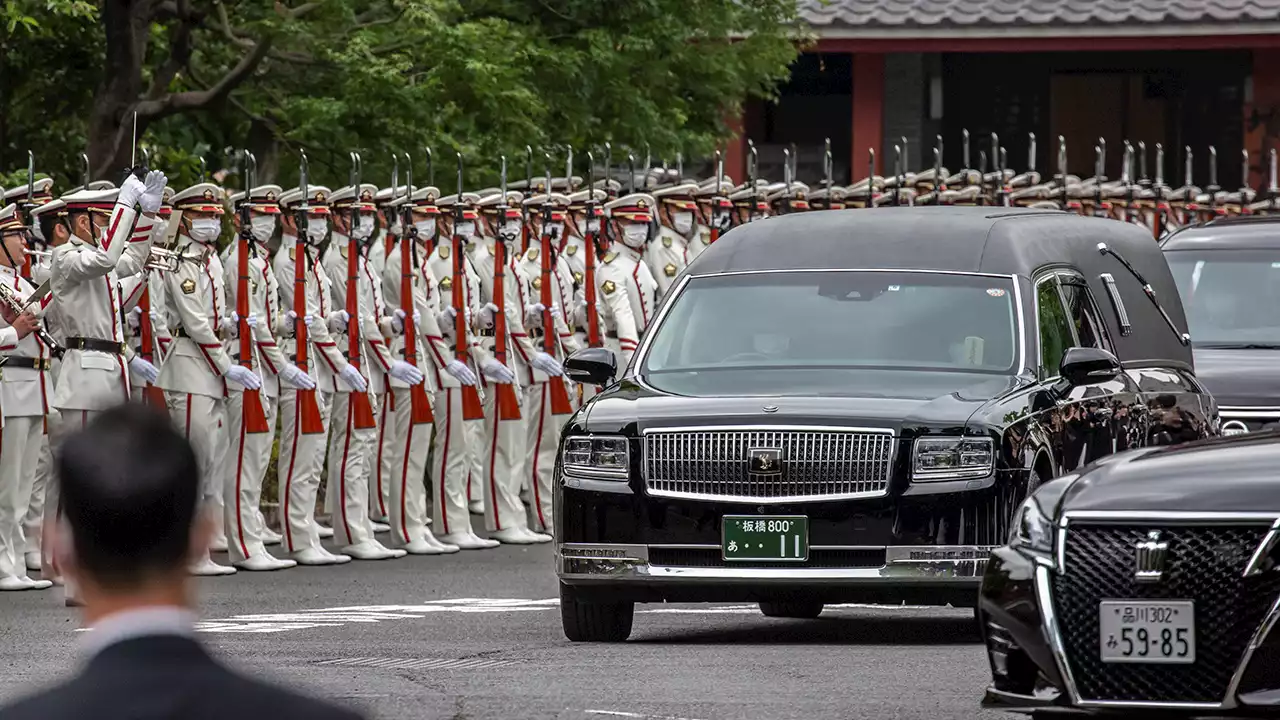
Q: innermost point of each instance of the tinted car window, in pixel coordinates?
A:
(1231, 296)
(1083, 312)
(1055, 326)
(837, 320)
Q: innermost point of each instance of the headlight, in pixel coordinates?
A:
(952, 458)
(605, 457)
(1032, 531)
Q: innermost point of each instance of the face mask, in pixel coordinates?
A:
(556, 230)
(635, 234)
(511, 228)
(683, 222)
(466, 229)
(426, 229)
(205, 230)
(364, 228)
(316, 228)
(261, 226)
(593, 226)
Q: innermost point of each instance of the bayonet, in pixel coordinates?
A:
(1244, 171)
(1102, 157)
(1188, 165)
(786, 170)
(1062, 160)
(568, 171)
(631, 172)
(395, 175)
(1031, 152)
(827, 168)
(431, 165)
(964, 156)
(906, 162)
(679, 166)
(31, 178)
(1142, 163)
(1159, 165)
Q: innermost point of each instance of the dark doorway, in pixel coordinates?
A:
(816, 103)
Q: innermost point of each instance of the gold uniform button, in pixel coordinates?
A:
(537, 283)
(571, 250)
(188, 286)
(577, 277)
(533, 254)
(669, 270)
(446, 282)
(444, 252)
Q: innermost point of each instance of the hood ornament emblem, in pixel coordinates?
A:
(770, 408)
(1150, 558)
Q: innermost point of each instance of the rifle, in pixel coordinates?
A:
(420, 407)
(508, 403)
(555, 385)
(309, 420)
(390, 239)
(361, 408)
(254, 417)
(589, 260)
(528, 187)
(472, 409)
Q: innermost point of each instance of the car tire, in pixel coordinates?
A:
(800, 610)
(587, 621)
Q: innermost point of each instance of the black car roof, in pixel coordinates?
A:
(997, 240)
(1243, 233)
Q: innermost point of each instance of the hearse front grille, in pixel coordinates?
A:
(818, 558)
(1205, 564)
(716, 464)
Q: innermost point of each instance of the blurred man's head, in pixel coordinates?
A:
(129, 490)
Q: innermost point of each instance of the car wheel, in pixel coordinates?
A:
(800, 610)
(587, 621)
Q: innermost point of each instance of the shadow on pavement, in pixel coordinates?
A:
(822, 631)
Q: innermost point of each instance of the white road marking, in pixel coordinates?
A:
(619, 713)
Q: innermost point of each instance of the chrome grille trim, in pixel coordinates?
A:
(820, 463)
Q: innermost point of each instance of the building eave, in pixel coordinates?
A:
(1026, 32)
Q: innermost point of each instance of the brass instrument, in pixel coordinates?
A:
(15, 305)
(166, 260)
(37, 253)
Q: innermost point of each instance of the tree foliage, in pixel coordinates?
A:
(484, 77)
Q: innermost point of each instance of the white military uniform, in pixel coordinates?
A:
(380, 476)
(302, 454)
(627, 290)
(543, 420)
(352, 449)
(24, 395)
(131, 289)
(193, 371)
(252, 451)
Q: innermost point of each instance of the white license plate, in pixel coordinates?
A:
(1147, 631)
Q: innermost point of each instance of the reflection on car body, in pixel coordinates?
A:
(914, 371)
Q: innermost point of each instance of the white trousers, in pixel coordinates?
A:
(502, 457)
(301, 459)
(543, 441)
(475, 460)
(19, 454)
(383, 470)
(203, 420)
(450, 462)
(351, 455)
(248, 455)
(404, 456)
(33, 523)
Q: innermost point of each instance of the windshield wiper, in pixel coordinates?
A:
(1150, 292)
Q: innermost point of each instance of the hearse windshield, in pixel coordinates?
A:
(807, 321)
(1231, 296)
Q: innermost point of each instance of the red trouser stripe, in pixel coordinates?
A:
(404, 486)
(493, 458)
(537, 445)
(288, 478)
(342, 471)
(382, 434)
(444, 458)
(239, 473)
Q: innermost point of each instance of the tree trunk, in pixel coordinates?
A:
(265, 147)
(110, 132)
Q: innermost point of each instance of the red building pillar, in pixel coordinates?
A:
(735, 151)
(1262, 116)
(868, 111)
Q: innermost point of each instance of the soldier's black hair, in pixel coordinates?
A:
(48, 222)
(130, 484)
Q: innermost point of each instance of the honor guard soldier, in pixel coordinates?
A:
(246, 470)
(546, 403)
(714, 211)
(385, 245)
(24, 397)
(749, 203)
(131, 290)
(406, 434)
(787, 198)
(511, 354)
(28, 197)
(626, 288)
(197, 371)
(832, 198)
(301, 452)
(353, 436)
(574, 251)
(676, 215)
(442, 267)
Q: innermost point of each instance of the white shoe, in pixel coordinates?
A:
(372, 550)
(40, 584)
(325, 532)
(33, 560)
(206, 567)
(11, 583)
(380, 527)
(271, 537)
(512, 536)
(476, 507)
(319, 556)
(445, 548)
(218, 543)
(420, 546)
(536, 537)
(265, 562)
(468, 541)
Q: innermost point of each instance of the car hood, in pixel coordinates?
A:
(1240, 377)
(930, 400)
(1233, 474)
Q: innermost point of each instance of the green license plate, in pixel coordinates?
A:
(765, 537)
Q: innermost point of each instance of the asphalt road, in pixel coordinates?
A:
(477, 635)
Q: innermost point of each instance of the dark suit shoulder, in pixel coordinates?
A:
(268, 700)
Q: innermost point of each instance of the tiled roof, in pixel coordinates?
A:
(939, 14)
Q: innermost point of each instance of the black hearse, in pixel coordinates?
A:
(1228, 273)
(849, 406)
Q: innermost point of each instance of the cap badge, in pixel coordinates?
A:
(208, 194)
(642, 204)
(366, 195)
(319, 196)
(271, 196)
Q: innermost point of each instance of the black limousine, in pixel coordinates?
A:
(1228, 273)
(849, 406)
(1149, 581)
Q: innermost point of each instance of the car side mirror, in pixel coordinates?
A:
(1088, 366)
(592, 366)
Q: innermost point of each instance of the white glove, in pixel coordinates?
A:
(353, 379)
(293, 375)
(231, 322)
(533, 314)
(338, 321)
(243, 375)
(153, 194)
(144, 369)
(134, 319)
(497, 372)
(405, 373)
(546, 364)
(293, 318)
(487, 315)
(130, 191)
(555, 312)
(397, 320)
(251, 321)
(459, 370)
